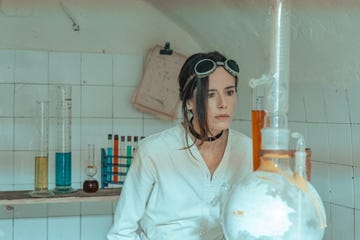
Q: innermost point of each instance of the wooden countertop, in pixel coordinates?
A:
(23, 197)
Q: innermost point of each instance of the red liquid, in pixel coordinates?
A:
(115, 159)
(257, 119)
(90, 186)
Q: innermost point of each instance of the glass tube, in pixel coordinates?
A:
(63, 152)
(257, 120)
(41, 158)
(116, 159)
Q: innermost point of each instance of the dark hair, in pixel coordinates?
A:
(188, 82)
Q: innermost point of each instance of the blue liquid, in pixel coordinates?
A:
(63, 170)
(129, 155)
(109, 161)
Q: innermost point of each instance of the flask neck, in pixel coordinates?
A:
(276, 161)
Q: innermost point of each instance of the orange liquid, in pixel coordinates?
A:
(257, 119)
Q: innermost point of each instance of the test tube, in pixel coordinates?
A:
(135, 145)
(115, 159)
(63, 152)
(257, 121)
(109, 158)
(41, 158)
(123, 160)
(129, 151)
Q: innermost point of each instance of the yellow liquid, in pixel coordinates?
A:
(41, 173)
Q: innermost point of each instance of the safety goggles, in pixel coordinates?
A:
(205, 67)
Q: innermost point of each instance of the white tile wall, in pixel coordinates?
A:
(357, 187)
(100, 225)
(337, 109)
(355, 143)
(354, 99)
(342, 226)
(318, 140)
(7, 60)
(34, 227)
(6, 133)
(31, 67)
(127, 70)
(342, 185)
(96, 69)
(64, 68)
(296, 102)
(7, 98)
(7, 168)
(96, 106)
(340, 144)
(26, 97)
(314, 99)
(122, 103)
(6, 229)
(64, 228)
(102, 86)
(320, 179)
(357, 224)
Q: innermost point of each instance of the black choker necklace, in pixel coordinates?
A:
(208, 139)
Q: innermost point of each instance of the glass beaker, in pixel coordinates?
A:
(41, 158)
(63, 151)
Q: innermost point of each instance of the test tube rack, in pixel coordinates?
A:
(107, 169)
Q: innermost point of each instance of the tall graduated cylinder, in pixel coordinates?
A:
(41, 157)
(63, 151)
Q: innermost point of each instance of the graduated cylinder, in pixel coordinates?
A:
(42, 155)
(63, 152)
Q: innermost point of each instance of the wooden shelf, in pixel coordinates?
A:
(23, 197)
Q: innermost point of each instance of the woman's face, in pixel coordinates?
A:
(221, 101)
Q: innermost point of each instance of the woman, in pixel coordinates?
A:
(175, 184)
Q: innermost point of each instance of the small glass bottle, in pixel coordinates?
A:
(91, 185)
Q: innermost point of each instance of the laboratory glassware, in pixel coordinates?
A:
(91, 185)
(63, 151)
(42, 156)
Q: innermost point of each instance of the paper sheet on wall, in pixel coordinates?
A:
(158, 90)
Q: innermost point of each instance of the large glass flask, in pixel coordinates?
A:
(63, 152)
(273, 203)
(41, 158)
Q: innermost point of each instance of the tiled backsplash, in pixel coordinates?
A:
(102, 86)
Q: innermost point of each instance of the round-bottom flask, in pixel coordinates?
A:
(91, 185)
(273, 203)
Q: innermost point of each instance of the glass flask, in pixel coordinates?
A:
(63, 152)
(41, 158)
(274, 202)
(91, 185)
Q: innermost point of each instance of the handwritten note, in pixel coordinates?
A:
(158, 90)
